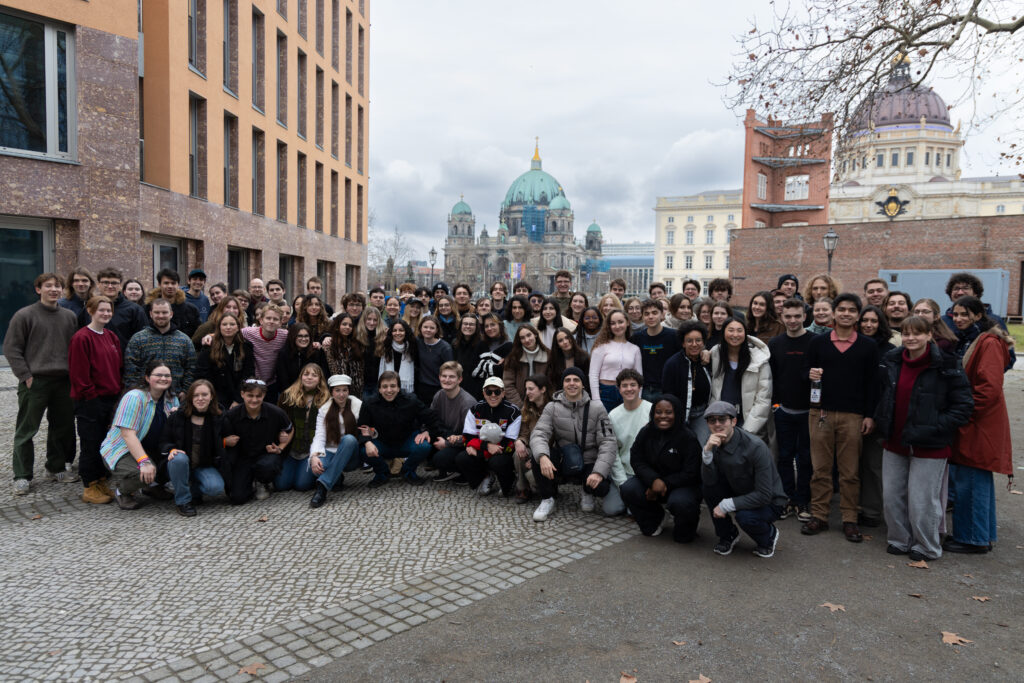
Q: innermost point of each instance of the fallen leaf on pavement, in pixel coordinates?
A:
(867, 538)
(920, 564)
(443, 491)
(969, 576)
(915, 595)
(980, 598)
(626, 678)
(1016, 492)
(253, 669)
(262, 519)
(679, 642)
(833, 608)
(53, 653)
(954, 639)
(701, 679)
(37, 517)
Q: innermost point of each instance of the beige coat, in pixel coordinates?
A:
(755, 387)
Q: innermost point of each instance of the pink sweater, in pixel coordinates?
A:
(607, 360)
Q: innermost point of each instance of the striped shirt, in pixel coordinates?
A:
(135, 412)
(265, 351)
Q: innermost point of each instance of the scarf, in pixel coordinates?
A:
(531, 357)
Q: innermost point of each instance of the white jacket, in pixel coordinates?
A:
(319, 443)
(755, 386)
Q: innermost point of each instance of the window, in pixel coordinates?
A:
(335, 33)
(300, 69)
(910, 157)
(319, 23)
(709, 261)
(318, 196)
(238, 268)
(1001, 209)
(949, 159)
(688, 261)
(335, 117)
(669, 261)
(348, 131)
(879, 160)
(318, 132)
(282, 8)
(668, 286)
(300, 191)
(300, 18)
(670, 237)
(359, 140)
(196, 146)
(762, 186)
(348, 46)
(348, 209)
(334, 203)
(258, 61)
(362, 49)
(229, 52)
(760, 224)
(797, 187)
(282, 79)
(727, 260)
(197, 35)
(689, 236)
(282, 181)
(709, 236)
(689, 219)
(894, 159)
(359, 214)
(671, 219)
(927, 158)
(37, 88)
(259, 174)
(230, 160)
(704, 287)
(731, 218)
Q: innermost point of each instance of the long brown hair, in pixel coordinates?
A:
(319, 323)
(214, 408)
(331, 428)
(218, 353)
(531, 412)
(295, 395)
(605, 334)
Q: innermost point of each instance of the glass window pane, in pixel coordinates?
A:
(21, 259)
(62, 91)
(22, 84)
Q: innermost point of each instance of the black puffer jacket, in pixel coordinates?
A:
(939, 403)
(396, 420)
(671, 455)
(174, 436)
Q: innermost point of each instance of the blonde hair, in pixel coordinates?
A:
(295, 395)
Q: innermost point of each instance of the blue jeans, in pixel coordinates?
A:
(613, 505)
(974, 515)
(651, 391)
(202, 481)
(413, 453)
(295, 474)
(610, 396)
(756, 522)
(794, 439)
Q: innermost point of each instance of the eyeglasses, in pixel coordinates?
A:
(717, 419)
(302, 336)
(493, 391)
(110, 283)
(161, 375)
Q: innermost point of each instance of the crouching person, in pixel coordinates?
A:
(194, 446)
(666, 459)
(334, 443)
(740, 477)
(395, 424)
(490, 449)
(256, 434)
(131, 449)
(573, 436)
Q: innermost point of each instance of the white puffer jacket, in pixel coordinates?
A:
(755, 386)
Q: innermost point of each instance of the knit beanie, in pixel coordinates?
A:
(574, 371)
(787, 276)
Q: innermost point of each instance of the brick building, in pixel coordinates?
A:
(184, 133)
(760, 256)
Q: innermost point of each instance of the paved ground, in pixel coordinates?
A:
(435, 584)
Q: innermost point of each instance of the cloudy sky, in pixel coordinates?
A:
(625, 105)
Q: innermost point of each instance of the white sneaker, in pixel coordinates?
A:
(65, 477)
(587, 502)
(484, 489)
(544, 509)
(262, 491)
(21, 487)
(666, 518)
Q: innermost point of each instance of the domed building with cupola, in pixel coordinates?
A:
(902, 162)
(533, 241)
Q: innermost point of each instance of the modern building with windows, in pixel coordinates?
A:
(692, 235)
(226, 135)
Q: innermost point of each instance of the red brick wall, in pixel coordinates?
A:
(758, 256)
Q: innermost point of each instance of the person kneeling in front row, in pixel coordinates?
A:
(489, 455)
(195, 447)
(666, 459)
(256, 434)
(740, 477)
(395, 424)
(334, 443)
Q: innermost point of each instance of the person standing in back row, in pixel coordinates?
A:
(846, 364)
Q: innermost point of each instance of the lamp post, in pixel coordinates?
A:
(831, 239)
(433, 259)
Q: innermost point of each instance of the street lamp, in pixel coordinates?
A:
(433, 260)
(831, 239)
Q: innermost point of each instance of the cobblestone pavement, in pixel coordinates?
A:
(95, 593)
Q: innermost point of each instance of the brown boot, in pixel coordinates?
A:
(93, 493)
(105, 487)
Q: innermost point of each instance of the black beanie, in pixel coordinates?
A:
(787, 276)
(574, 371)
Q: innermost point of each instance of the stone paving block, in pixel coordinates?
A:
(276, 677)
(380, 634)
(161, 674)
(433, 614)
(206, 678)
(283, 661)
(398, 627)
(362, 643)
(316, 662)
(208, 656)
(191, 674)
(274, 653)
(298, 669)
(340, 651)
(415, 620)
(180, 664)
(307, 653)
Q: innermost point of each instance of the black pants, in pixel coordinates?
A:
(757, 522)
(444, 459)
(568, 461)
(474, 468)
(93, 418)
(683, 504)
(245, 470)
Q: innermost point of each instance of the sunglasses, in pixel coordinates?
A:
(257, 382)
(493, 391)
(717, 419)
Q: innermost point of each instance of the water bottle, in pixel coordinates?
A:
(816, 393)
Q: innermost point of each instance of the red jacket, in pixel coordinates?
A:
(984, 442)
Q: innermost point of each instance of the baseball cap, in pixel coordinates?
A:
(494, 382)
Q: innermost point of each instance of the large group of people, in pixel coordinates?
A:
(651, 405)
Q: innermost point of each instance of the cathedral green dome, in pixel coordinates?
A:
(594, 227)
(534, 187)
(559, 203)
(461, 208)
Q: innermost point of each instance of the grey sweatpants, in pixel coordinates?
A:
(913, 502)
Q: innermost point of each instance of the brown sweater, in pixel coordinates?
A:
(37, 341)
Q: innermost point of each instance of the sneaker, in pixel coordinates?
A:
(446, 476)
(262, 491)
(187, 510)
(769, 550)
(916, 556)
(460, 481)
(893, 550)
(64, 477)
(725, 545)
(21, 487)
(414, 479)
(803, 513)
(485, 488)
(587, 502)
(377, 482)
(366, 468)
(665, 519)
(544, 509)
(93, 493)
(787, 510)
(125, 501)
